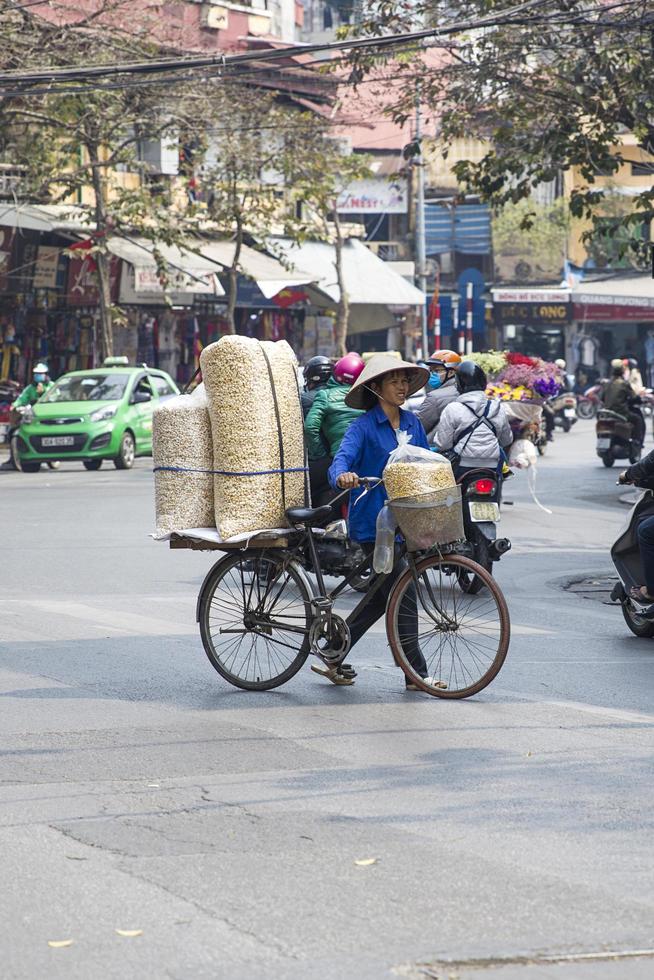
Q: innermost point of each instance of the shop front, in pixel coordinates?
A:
(532, 321)
(613, 319)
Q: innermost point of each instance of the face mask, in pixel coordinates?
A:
(435, 380)
(39, 377)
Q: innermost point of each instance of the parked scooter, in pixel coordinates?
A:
(625, 555)
(588, 403)
(615, 438)
(481, 495)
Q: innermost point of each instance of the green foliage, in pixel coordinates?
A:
(552, 89)
(529, 241)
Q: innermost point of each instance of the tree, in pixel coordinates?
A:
(247, 149)
(535, 254)
(322, 174)
(73, 139)
(553, 88)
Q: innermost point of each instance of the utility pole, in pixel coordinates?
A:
(421, 248)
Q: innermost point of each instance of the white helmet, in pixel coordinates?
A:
(560, 363)
(40, 368)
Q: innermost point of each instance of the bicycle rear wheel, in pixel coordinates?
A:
(254, 615)
(464, 638)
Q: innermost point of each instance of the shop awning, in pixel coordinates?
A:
(369, 280)
(268, 273)
(187, 271)
(44, 217)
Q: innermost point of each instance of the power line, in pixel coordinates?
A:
(227, 61)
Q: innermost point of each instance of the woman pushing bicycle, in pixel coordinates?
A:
(381, 389)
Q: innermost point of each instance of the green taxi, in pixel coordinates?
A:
(105, 413)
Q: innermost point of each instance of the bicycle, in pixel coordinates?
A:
(261, 617)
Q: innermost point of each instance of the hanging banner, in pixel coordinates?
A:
(374, 196)
(45, 268)
(83, 281)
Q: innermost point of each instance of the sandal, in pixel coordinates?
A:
(636, 594)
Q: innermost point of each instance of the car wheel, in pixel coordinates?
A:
(125, 458)
(30, 467)
(92, 464)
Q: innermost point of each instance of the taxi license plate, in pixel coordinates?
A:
(57, 441)
(570, 413)
(603, 443)
(482, 510)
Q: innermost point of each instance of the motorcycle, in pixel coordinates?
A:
(23, 413)
(588, 403)
(625, 555)
(615, 438)
(481, 495)
(564, 406)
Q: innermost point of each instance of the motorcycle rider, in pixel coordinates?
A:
(327, 421)
(633, 375)
(316, 372)
(618, 396)
(642, 473)
(473, 429)
(29, 396)
(441, 389)
(40, 384)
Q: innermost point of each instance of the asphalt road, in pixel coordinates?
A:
(139, 792)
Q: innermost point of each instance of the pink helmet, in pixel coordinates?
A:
(348, 369)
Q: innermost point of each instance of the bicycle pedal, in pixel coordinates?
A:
(333, 674)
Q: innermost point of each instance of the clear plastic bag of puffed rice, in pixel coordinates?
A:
(412, 470)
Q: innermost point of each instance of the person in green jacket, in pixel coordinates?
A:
(325, 425)
(28, 396)
(40, 384)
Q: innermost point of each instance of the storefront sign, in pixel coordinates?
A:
(374, 196)
(83, 281)
(45, 269)
(543, 312)
(614, 312)
(530, 295)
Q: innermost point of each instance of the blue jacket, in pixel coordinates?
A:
(364, 451)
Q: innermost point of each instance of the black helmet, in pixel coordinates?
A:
(470, 377)
(317, 370)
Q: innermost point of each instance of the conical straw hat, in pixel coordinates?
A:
(381, 364)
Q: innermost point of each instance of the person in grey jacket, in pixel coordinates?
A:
(474, 426)
(441, 389)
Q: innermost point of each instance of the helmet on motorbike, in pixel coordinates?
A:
(617, 368)
(348, 369)
(632, 363)
(40, 368)
(560, 363)
(470, 377)
(317, 370)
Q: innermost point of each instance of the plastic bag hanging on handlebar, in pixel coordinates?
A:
(412, 470)
(384, 553)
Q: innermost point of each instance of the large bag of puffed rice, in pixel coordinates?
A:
(258, 437)
(183, 463)
(412, 470)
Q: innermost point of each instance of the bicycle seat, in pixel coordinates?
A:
(308, 515)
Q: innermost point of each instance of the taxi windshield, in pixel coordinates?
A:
(88, 388)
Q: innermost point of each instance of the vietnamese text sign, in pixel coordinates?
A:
(374, 196)
(45, 268)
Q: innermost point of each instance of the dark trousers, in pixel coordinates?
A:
(646, 543)
(359, 623)
(638, 422)
(321, 492)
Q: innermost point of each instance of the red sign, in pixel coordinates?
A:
(83, 281)
(612, 312)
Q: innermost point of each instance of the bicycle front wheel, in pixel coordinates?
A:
(463, 638)
(255, 613)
